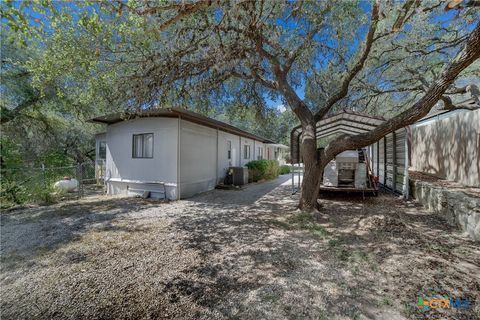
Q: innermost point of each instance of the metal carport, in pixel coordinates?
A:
(388, 157)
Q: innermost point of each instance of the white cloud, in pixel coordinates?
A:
(281, 108)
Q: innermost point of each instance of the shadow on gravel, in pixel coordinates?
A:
(30, 232)
(245, 254)
(367, 257)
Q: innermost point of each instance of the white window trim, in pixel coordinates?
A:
(143, 141)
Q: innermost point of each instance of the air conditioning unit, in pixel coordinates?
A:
(240, 175)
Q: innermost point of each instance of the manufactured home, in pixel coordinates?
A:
(174, 153)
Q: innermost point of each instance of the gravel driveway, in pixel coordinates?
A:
(244, 254)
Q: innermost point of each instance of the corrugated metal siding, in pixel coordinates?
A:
(381, 161)
(389, 158)
(400, 152)
(390, 161)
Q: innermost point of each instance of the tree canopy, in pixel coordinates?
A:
(393, 58)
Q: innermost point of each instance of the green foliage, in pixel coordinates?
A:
(10, 153)
(306, 221)
(41, 105)
(272, 124)
(263, 169)
(31, 185)
(64, 62)
(285, 169)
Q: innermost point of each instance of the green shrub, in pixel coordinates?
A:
(285, 169)
(263, 169)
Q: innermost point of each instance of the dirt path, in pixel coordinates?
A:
(244, 254)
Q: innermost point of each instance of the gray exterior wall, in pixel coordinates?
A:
(445, 146)
(187, 157)
(198, 159)
(125, 173)
(449, 148)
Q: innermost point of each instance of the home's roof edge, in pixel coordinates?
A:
(177, 112)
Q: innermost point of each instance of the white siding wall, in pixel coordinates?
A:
(162, 167)
(269, 153)
(223, 161)
(203, 156)
(246, 142)
(198, 152)
(261, 145)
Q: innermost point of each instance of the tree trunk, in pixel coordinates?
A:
(308, 143)
(311, 174)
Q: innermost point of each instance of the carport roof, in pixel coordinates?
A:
(177, 113)
(346, 121)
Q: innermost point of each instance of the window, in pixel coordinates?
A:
(229, 149)
(260, 153)
(142, 145)
(246, 152)
(102, 150)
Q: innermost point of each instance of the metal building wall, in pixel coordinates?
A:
(390, 160)
(381, 161)
(389, 157)
(400, 156)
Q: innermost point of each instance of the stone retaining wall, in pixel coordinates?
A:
(459, 208)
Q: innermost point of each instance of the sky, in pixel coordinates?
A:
(277, 103)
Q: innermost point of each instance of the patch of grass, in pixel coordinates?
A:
(439, 248)
(342, 254)
(280, 224)
(332, 243)
(318, 231)
(386, 301)
(356, 258)
(359, 256)
(408, 310)
(321, 314)
(305, 221)
(269, 297)
(301, 218)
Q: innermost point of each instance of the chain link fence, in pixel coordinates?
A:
(36, 184)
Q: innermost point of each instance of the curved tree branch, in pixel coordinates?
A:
(464, 58)
(356, 69)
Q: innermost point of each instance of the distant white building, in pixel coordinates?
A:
(174, 151)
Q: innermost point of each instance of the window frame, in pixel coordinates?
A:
(143, 141)
(260, 153)
(100, 153)
(247, 151)
(229, 149)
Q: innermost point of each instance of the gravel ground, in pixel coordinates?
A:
(244, 254)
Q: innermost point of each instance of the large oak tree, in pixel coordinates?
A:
(394, 58)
